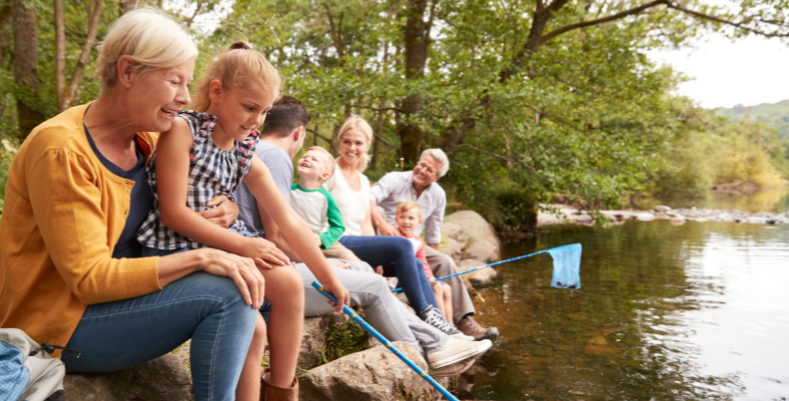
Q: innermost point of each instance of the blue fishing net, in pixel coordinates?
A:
(566, 266)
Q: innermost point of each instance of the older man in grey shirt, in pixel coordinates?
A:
(420, 186)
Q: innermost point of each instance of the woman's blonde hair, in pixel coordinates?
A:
(152, 39)
(358, 124)
(237, 67)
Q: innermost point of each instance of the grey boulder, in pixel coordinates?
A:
(474, 226)
(480, 277)
(160, 379)
(372, 375)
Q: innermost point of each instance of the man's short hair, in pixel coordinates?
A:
(439, 156)
(286, 114)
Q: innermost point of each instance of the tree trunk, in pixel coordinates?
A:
(60, 55)
(128, 5)
(6, 28)
(25, 65)
(417, 41)
(76, 77)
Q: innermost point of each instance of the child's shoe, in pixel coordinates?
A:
(433, 317)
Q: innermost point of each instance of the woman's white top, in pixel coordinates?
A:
(352, 204)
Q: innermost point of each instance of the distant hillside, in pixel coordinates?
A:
(777, 115)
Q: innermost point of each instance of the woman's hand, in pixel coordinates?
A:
(224, 214)
(336, 288)
(240, 269)
(264, 253)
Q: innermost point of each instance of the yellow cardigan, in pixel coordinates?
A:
(63, 214)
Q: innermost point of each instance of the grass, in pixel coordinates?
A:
(344, 339)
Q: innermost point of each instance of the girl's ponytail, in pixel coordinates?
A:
(240, 66)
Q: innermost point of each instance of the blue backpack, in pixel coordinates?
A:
(27, 371)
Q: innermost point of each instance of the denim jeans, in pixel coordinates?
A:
(206, 308)
(396, 255)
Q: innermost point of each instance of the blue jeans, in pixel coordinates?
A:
(265, 309)
(206, 308)
(396, 255)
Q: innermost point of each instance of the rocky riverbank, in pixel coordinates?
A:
(561, 214)
(373, 374)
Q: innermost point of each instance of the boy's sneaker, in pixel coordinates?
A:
(433, 317)
(456, 351)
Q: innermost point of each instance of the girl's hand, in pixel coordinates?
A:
(224, 214)
(240, 269)
(338, 290)
(379, 270)
(264, 253)
(435, 283)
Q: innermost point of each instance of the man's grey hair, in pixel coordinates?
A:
(439, 156)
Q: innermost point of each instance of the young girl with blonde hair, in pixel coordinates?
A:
(208, 152)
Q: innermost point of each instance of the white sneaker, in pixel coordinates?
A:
(454, 369)
(455, 351)
(461, 336)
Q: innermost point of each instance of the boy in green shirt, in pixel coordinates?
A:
(316, 205)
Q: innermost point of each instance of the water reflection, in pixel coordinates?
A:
(667, 312)
(765, 200)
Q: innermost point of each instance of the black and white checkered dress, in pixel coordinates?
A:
(212, 172)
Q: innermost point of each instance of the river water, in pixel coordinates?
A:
(665, 312)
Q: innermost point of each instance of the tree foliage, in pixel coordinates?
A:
(529, 98)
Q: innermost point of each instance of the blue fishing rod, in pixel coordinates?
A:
(348, 311)
(555, 252)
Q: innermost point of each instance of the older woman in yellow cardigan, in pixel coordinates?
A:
(77, 192)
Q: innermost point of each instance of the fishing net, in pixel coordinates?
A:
(566, 266)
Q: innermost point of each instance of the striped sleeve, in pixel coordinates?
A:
(336, 226)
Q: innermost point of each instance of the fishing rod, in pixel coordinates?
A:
(348, 311)
(571, 286)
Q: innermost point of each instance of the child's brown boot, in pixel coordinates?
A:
(270, 392)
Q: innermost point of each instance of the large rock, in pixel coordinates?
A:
(451, 248)
(480, 277)
(160, 379)
(474, 226)
(482, 250)
(313, 337)
(374, 374)
(455, 232)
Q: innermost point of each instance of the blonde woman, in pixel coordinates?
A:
(351, 190)
(71, 271)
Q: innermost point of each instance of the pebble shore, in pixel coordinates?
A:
(562, 214)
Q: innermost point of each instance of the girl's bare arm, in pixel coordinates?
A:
(172, 179)
(295, 229)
